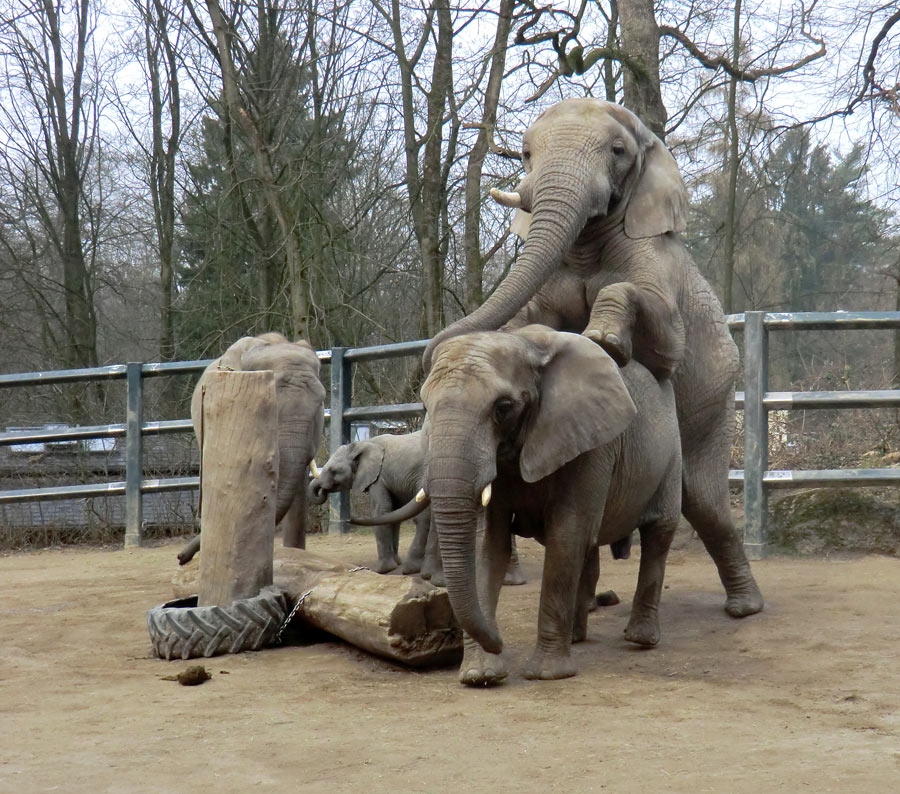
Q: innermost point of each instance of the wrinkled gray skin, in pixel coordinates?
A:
(301, 398)
(578, 451)
(388, 469)
(601, 207)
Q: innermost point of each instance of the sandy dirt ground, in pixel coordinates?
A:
(805, 696)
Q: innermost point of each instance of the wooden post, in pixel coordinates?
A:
(238, 477)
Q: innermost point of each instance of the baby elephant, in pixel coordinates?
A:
(389, 469)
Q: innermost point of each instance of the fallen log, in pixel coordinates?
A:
(401, 618)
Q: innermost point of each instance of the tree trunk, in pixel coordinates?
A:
(238, 477)
(265, 173)
(474, 259)
(733, 170)
(640, 40)
(433, 193)
(609, 65)
(162, 71)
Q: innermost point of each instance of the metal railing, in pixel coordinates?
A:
(756, 401)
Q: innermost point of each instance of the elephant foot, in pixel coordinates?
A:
(619, 349)
(386, 565)
(544, 666)
(412, 565)
(607, 599)
(480, 668)
(744, 600)
(514, 575)
(643, 630)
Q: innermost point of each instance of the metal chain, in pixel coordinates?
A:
(290, 617)
(299, 603)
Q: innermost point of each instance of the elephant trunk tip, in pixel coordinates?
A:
(316, 493)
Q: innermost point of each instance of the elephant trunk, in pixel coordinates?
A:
(317, 493)
(560, 210)
(294, 451)
(451, 486)
(410, 510)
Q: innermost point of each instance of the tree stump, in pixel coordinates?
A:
(238, 478)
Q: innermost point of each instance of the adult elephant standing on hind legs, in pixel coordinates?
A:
(601, 207)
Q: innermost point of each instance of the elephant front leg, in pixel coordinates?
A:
(629, 321)
(563, 566)
(643, 625)
(586, 599)
(480, 668)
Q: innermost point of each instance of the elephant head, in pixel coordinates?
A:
(534, 399)
(352, 466)
(587, 162)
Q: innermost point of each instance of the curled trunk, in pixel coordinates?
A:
(559, 214)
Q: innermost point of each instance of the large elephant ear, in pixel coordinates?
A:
(658, 203)
(584, 402)
(369, 460)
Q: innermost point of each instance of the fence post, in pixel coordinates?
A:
(756, 434)
(339, 434)
(134, 469)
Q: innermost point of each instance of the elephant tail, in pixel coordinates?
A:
(410, 510)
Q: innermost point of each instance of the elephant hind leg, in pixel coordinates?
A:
(706, 505)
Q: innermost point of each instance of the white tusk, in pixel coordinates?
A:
(513, 200)
(486, 495)
(314, 468)
(420, 495)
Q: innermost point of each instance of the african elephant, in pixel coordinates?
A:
(389, 469)
(601, 206)
(300, 397)
(561, 443)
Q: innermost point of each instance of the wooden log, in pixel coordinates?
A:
(401, 618)
(238, 479)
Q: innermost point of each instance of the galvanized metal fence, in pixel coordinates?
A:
(756, 401)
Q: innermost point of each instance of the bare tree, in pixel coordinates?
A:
(51, 117)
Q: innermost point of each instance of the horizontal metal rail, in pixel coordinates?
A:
(823, 478)
(821, 321)
(163, 427)
(756, 401)
(756, 479)
(810, 400)
(97, 489)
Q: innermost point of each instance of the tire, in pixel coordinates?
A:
(182, 630)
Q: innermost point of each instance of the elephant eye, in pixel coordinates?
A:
(502, 408)
(618, 148)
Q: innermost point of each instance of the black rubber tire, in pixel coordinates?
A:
(182, 630)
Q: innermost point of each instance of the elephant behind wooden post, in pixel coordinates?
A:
(300, 400)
